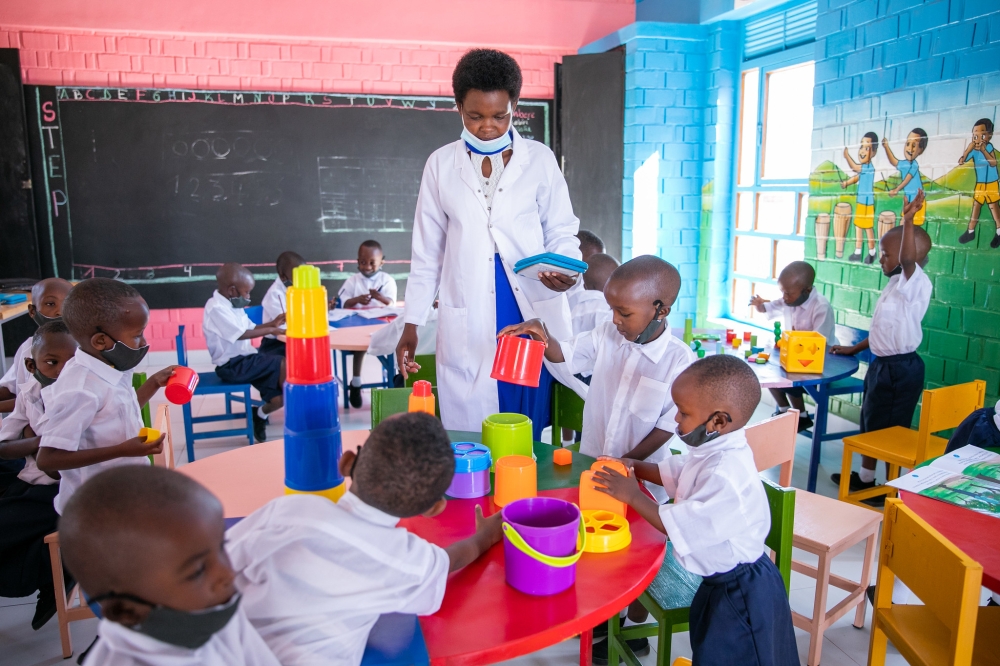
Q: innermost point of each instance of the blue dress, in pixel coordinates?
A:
(532, 402)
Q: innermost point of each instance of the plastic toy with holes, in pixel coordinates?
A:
(802, 351)
(472, 471)
(606, 531)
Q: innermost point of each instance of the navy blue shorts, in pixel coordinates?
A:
(792, 391)
(272, 346)
(893, 386)
(742, 617)
(263, 371)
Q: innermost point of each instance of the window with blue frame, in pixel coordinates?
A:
(774, 148)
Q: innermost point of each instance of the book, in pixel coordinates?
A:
(547, 262)
(968, 477)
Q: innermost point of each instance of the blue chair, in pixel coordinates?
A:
(256, 314)
(210, 384)
(396, 640)
(388, 372)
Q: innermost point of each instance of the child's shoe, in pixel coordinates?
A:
(856, 482)
(259, 427)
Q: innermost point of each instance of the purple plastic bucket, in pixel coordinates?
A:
(551, 526)
(470, 485)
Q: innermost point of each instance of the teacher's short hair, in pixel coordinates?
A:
(487, 70)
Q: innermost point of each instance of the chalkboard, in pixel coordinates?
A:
(158, 187)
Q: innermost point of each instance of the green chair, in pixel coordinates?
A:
(567, 412)
(138, 379)
(386, 402)
(668, 598)
(428, 370)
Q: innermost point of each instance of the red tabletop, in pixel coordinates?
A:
(975, 534)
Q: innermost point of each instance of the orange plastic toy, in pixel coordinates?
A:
(516, 478)
(562, 457)
(422, 399)
(593, 499)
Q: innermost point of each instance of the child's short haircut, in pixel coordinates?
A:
(488, 70)
(600, 266)
(373, 245)
(800, 273)
(651, 278)
(56, 327)
(919, 131)
(921, 239)
(873, 137)
(591, 239)
(288, 260)
(985, 122)
(729, 380)
(96, 303)
(107, 530)
(406, 465)
(230, 272)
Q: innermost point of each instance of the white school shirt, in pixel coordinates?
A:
(591, 309)
(895, 327)
(17, 373)
(720, 516)
(315, 575)
(630, 392)
(359, 285)
(274, 302)
(236, 644)
(223, 325)
(28, 411)
(816, 314)
(91, 406)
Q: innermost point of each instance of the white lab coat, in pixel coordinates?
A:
(455, 236)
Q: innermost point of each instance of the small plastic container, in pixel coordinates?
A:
(606, 531)
(181, 385)
(472, 471)
(149, 434)
(517, 478)
(507, 435)
(518, 361)
(422, 400)
(312, 437)
(593, 499)
(309, 360)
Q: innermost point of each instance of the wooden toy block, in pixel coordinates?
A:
(562, 457)
(802, 351)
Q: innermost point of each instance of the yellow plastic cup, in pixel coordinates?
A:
(516, 478)
(307, 313)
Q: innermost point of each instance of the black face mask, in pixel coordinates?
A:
(122, 357)
(287, 283)
(41, 319)
(42, 379)
(239, 302)
(699, 434)
(653, 327)
(186, 629)
(803, 297)
(898, 270)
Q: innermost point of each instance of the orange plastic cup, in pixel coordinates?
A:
(516, 478)
(518, 361)
(181, 385)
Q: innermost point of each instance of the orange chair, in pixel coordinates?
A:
(941, 409)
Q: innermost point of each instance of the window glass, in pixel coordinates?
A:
(788, 122)
(748, 126)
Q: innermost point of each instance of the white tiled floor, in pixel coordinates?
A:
(843, 644)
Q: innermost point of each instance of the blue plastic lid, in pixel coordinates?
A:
(470, 457)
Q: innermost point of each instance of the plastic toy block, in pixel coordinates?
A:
(747, 337)
(747, 353)
(562, 457)
(149, 434)
(593, 499)
(701, 353)
(753, 340)
(802, 351)
(761, 361)
(736, 343)
(752, 358)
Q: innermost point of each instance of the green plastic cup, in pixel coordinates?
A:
(507, 435)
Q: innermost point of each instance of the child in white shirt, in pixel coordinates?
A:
(803, 309)
(148, 545)
(228, 331)
(369, 284)
(315, 575)
(274, 299)
(92, 414)
(26, 511)
(719, 518)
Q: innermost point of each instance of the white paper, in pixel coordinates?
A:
(959, 459)
(923, 478)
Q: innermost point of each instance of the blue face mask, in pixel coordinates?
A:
(491, 147)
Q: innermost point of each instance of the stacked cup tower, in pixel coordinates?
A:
(312, 425)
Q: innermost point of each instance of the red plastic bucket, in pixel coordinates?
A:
(308, 360)
(180, 387)
(518, 361)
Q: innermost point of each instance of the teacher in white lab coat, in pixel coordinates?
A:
(487, 201)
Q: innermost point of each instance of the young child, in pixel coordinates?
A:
(803, 309)
(315, 575)
(92, 414)
(909, 170)
(26, 510)
(590, 244)
(369, 284)
(864, 210)
(148, 545)
(47, 297)
(719, 518)
(591, 307)
(274, 299)
(981, 152)
(895, 377)
(228, 331)
(980, 428)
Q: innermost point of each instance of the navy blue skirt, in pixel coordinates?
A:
(532, 402)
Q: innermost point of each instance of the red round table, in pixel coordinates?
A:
(482, 620)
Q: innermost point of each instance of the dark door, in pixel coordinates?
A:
(590, 100)
(18, 242)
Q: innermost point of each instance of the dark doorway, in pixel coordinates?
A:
(590, 107)
(19, 247)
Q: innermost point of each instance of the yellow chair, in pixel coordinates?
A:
(950, 628)
(941, 409)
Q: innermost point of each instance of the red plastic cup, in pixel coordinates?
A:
(746, 336)
(308, 360)
(730, 334)
(180, 387)
(518, 361)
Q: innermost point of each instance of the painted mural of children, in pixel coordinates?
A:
(909, 170)
(980, 151)
(864, 210)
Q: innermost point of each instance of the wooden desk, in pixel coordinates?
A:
(8, 313)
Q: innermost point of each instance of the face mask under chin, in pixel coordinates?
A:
(41, 319)
(653, 327)
(239, 302)
(185, 629)
(42, 379)
(803, 297)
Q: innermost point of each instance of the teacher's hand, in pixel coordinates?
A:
(406, 350)
(556, 281)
